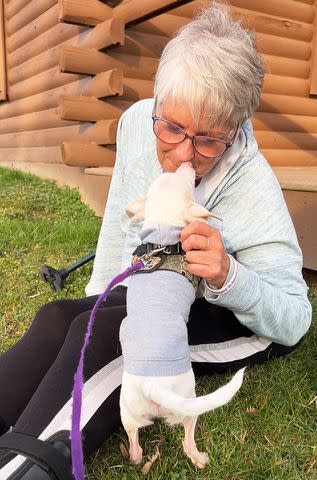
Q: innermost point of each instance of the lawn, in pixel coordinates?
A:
(268, 431)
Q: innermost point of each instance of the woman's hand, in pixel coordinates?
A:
(205, 253)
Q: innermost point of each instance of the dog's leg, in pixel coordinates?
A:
(135, 451)
(200, 459)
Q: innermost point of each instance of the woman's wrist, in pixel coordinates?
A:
(229, 281)
(220, 281)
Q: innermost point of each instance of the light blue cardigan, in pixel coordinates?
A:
(269, 296)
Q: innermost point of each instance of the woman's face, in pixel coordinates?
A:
(172, 155)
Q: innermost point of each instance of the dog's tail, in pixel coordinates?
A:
(197, 405)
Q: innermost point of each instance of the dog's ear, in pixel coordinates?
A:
(135, 210)
(198, 212)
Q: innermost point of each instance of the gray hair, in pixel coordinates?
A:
(212, 66)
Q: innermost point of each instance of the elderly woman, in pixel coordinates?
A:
(252, 303)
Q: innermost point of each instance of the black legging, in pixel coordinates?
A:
(36, 374)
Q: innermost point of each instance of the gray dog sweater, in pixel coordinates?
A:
(153, 335)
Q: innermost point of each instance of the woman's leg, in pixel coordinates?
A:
(220, 343)
(23, 366)
(49, 410)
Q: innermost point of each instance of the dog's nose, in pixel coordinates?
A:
(185, 166)
(186, 170)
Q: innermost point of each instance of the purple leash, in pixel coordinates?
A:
(76, 444)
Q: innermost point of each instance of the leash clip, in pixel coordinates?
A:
(152, 253)
(149, 260)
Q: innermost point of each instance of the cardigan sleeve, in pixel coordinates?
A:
(111, 238)
(269, 295)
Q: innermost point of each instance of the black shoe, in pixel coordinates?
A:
(46, 460)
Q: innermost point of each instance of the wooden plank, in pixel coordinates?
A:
(109, 32)
(143, 44)
(286, 140)
(284, 123)
(260, 22)
(49, 155)
(101, 85)
(288, 158)
(102, 132)
(287, 104)
(297, 178)
(283, 85)
(288, 67)
(47, 80)
(14, 7)
(104, 84)
(283, 46)
(166, 25)
(87, 155)
(135, 89)
(313, 73)
(275, 26)
(3, 69)
(33, 29)
(309, 2)
(81, 11)
(286, 9)
(90, 109)
(30, 12)
(136, 9)
(55, 35)
(283, 8)
(91, 61)
(101, 171)
(100, 37)
(34, 66)
(34, 121)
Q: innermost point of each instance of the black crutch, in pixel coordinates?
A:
(56, 277)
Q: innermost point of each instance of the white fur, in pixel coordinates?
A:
(169, 202)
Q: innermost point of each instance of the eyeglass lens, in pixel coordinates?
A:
(171, 133)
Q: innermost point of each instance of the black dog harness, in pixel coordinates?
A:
(164, 257)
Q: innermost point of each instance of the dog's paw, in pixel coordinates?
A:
(199, 459)
(136, 456)
(136, 461)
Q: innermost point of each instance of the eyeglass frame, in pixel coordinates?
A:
(192, 138)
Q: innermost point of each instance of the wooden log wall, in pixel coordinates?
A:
(61, 75)
(33, 120)
(285, 123)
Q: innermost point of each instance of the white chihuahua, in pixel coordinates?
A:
(158, 380)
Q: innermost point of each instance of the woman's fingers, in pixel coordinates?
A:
(205, 252)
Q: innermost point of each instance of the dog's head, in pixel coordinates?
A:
(169, 201)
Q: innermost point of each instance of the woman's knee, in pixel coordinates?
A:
(53, 319)
(104, 344)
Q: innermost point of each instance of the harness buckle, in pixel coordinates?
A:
(149, 260)
(149, 255)
(152, 260)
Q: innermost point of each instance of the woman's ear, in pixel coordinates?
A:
(135, 210)
(198, 212)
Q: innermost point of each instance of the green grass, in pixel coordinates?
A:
(268, 431)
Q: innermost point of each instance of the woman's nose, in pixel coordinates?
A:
(185, 150)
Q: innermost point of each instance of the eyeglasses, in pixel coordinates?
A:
(210, 147)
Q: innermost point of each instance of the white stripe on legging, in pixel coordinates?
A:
(106, 380)
(229, 351)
